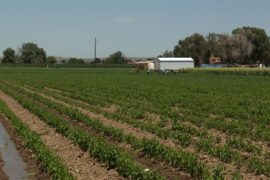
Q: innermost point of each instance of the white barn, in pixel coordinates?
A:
(173, 63)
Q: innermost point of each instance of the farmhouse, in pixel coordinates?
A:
(215, 60)
(173, 63)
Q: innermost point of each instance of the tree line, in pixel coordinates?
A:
(32, 53)
(246, 45)
(27, 53)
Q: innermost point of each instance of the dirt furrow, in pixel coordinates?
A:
(80, 164)
(112, 123)
(144, 161)
(210, 161)
(3, 176)
(213, 132)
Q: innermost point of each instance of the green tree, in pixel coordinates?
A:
(117, 58)
(225, 48)
(193, 46)
(242, 48)
(213, 44)
(9, 56)
(260, 41)
(31, 53)
(168, 53)
(96, 61)
(63, 61)
(76, 61)
(51, 60)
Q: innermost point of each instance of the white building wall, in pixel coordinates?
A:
(151, 66)
(157, 64)
(168, 65)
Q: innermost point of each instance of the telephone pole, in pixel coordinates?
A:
(95, 49)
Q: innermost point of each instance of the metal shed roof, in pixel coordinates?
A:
(185, 59)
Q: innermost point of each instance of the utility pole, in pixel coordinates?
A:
(95, 49)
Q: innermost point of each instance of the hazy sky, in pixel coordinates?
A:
(139, 28)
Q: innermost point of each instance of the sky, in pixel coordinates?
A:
(138, 28)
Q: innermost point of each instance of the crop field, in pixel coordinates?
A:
(118, 124)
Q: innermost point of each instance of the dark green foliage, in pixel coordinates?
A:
(51, 60)
(246, 45)
(237, 176)
(261, 43)
(217, 174)
(31, 53)
(116, 58)
(76, 61)
(193, 46)
(243, 145)
(8, 56)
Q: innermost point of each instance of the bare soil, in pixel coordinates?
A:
(112, 108)
(144, 161)
(211, 162)
(2, 173)
(79, 163)
(152, 117)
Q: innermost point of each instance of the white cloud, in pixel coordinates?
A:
(123, 19)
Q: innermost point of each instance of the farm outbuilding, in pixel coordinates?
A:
(173, 63)
(145, 65)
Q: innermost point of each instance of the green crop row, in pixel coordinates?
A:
(243, 145)
(177, 158)
(180, 132)
(49, 160)
(98, 148)
(223, 153)
(181, 137)
(206, 145)
(190, 91)
(235, 106)
(199, 116)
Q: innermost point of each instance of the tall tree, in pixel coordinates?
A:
(31, 53)
(226, 46)
(116, 58)
(260, 41)
(9, 55)
(193, 46)
(51, 60)
(213, 44)
(168, 53)
(242, 48)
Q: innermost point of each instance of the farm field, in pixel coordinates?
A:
(117, 124)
